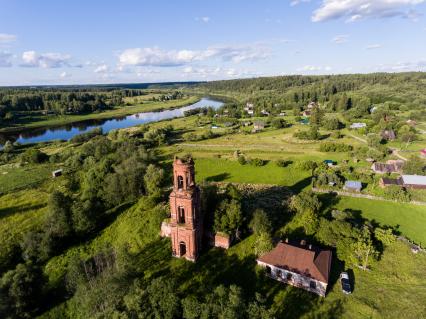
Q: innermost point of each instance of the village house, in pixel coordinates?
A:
(300, 265)
(388, 135)
(385, 182)
(407, 181)
(258, 126)
(353, 186)
(264, 112)
(249, 108)
(414, 181)
(282, 113)
(358, 125)
(391, 166)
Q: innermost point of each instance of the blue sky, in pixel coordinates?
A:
(78, 42)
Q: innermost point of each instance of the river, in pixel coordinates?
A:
(65, 132)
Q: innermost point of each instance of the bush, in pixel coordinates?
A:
(81, 138)
(257, 162)
(307, 165)
(312, 134)
(34, 156)
(242, 160)
(283, 163)
(397, 193)
(278, 123)
(335, 147)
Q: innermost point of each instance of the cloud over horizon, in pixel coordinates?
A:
(171, 58)
(354, 10)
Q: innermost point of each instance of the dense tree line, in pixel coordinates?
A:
(60, 100)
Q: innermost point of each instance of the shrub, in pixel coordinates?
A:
(312, 134)
(242, 160)
(34, 156)
(335, 147)
(283, 163)
(257, 162)
(307, 165)
(278, 123)
(397, 193)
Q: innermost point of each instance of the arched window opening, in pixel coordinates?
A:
(182, 248)
(180, 182)
(181, 215)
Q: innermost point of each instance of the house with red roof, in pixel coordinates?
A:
(300, 265)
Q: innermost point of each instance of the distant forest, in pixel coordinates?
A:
(403, 91)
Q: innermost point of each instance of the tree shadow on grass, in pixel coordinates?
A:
(6, 212)
(301, 185)
(218, 178)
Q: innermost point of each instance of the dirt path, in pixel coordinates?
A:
(358, 138)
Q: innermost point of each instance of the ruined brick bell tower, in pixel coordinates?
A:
(186, 220)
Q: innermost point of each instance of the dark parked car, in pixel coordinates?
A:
(346, 285)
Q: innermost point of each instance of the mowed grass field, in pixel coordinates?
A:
(409, 219)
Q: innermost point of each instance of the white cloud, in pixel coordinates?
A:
(340, 39)
(373, 46)
(203, 19)
(402, 67)
(7, 38)
(64, 75)
(103, 68)
(5, 59)
(158, 57)
(45, 60)
(297, 2)
(354, 10)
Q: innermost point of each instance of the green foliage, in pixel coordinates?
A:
(242, 160)
(307, 165)
(397, 193)
(154, 178)
(21, 291)
(415, 166)
(8, 147)
(34, 156)
(85, 137)
(385, 236)
(331, 123)
(228, 217)
(335, 147)
(260, 222)
(262, 244)
(278, 123)
(311, 134)
(256, 162)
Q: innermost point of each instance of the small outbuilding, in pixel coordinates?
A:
(358, 125)
(57, 173)
(258, 126)
(353, 186)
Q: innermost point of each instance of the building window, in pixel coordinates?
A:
(181, 215)
(313, 285)
(289, 276)
(278, 273)
(268, 270)
(180, 182)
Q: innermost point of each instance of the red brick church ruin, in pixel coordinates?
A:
(185, 226)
